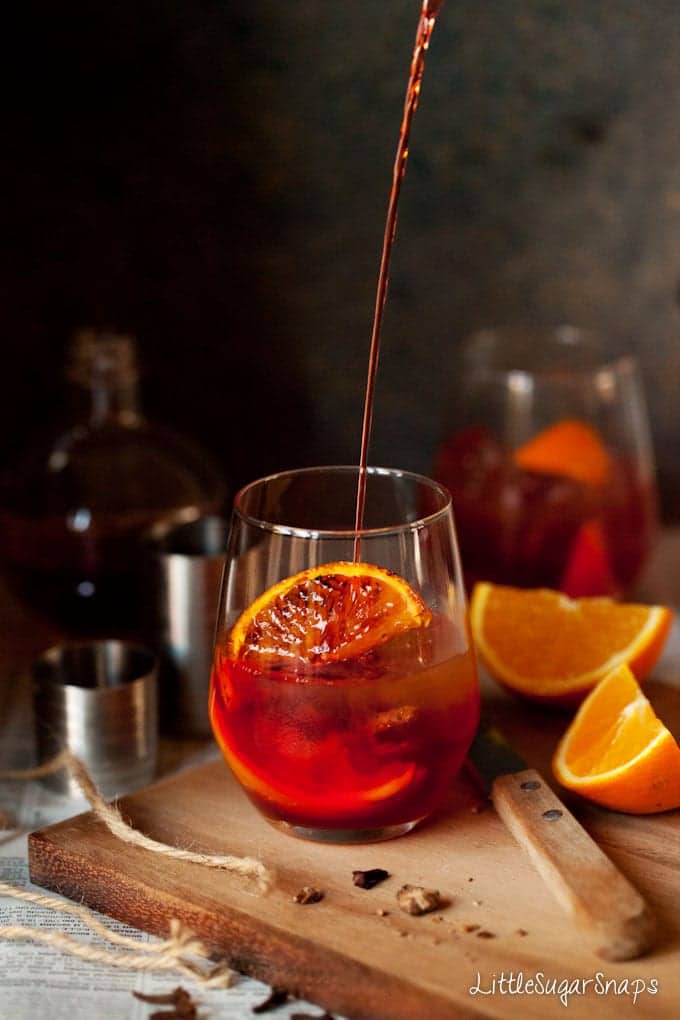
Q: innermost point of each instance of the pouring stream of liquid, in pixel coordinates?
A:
(430, 10)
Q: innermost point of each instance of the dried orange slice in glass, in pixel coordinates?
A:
(570, 448)
(327, 613)
(551, 648)
(616, 751)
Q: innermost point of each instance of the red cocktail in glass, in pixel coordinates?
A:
(344, 696)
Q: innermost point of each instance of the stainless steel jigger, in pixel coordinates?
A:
(183, 571)
(98, 699)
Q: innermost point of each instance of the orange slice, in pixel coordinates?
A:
(570, 448)
(589, 567)
(327, 613)
(275, 791)
(548, 647)
(617, 752)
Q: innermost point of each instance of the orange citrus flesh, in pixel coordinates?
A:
(616, 751)
(327, 613)
(548, 647)
(570, 448)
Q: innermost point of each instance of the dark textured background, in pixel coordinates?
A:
(213, 176)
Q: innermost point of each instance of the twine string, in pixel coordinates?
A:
(168, 954)
(246, 867)
(169, 958)
(180, 936)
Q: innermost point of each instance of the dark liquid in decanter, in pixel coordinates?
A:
(75, 509)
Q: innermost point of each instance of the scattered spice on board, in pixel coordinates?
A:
(521, 931)
(277, 997)
(308, 894)
(470, 927)
(485, 935)
(369, 879)
(415, 899)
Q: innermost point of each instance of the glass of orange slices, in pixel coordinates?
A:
(344, 692)
(548, 456)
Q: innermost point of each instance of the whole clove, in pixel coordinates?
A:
(310, 1016)
(369, 879)
(174, 1014)
(277, 997)
(183, 1007)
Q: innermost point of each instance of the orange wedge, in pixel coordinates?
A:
(570, 448)
(327, 613)
(550, 648)
(617, 752)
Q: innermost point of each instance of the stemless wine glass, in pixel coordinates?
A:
(548, 456)
(344, 693)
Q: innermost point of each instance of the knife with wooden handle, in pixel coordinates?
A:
(611, 913)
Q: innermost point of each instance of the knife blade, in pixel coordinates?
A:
(608, 909)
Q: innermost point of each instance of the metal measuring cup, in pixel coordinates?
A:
(99, 700)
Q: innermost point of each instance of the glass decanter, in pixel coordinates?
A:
(75, 508)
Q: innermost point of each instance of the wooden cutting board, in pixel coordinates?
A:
(356, 952)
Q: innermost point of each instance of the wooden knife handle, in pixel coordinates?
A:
(611, 912)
